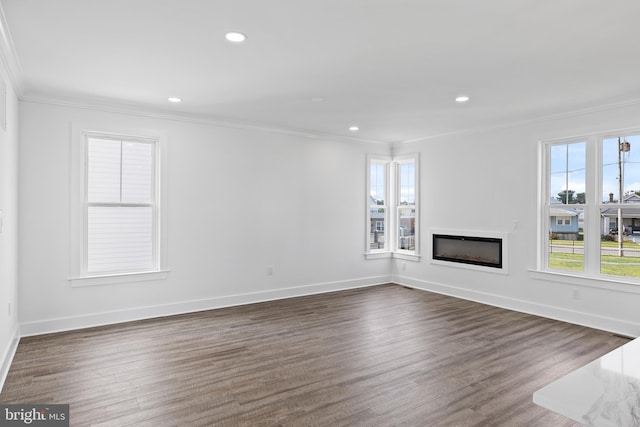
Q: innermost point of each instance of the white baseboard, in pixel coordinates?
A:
(557, 313)
(8, 356)
(119, 316)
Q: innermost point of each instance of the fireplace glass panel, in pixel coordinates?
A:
(483, 251)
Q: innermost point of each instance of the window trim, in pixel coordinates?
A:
(397, 161)
(544, 224)
(78, 275)
(392, 208)
(153, 204)
(384, 252)
(591, 208)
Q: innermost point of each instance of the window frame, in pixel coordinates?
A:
(386, 250)
(78, 274)
(412, 255)
(153, 203)
(392, 207)
(592, 207)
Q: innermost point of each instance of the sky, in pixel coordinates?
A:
(406, 184)
(568, 167)
(377, 181)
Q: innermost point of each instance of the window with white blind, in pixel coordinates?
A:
(120, 206)
(118, 210)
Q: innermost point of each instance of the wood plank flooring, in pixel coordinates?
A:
(379, 356)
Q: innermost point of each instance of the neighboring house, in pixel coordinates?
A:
(564, 223)
(630, 216)
(377, 217)
(406, 227)
(377, 224)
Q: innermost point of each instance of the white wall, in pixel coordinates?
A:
(9, 234)
(238, 201)
(483, 181)
(241, 200)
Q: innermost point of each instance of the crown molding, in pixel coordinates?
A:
(9, 57)
(193, 119)
(534, 120)
(110, 107)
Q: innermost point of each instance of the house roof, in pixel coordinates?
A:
(562, 212)
(626, 212)
(632, 198)
(374, 214)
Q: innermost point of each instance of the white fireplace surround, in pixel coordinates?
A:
(504, 269)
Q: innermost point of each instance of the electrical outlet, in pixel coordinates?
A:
(269, 270)
(515, 224)
(575, 293)
(404, 266)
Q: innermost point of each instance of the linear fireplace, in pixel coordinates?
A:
(484, 251)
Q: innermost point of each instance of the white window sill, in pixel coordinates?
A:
(398, 255)
(406, 256)
(114, 279)
(604, 282)
(377, 255)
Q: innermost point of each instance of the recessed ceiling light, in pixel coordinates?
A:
(235, 37)
(462, 98)
(354, 128)
(175, 99)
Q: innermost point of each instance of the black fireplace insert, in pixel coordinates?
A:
(483, 251)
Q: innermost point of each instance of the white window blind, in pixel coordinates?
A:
(120, 206)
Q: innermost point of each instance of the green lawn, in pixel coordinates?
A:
(611, 264)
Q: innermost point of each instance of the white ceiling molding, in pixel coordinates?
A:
(395, 71)
(209, 121)
(534, 120)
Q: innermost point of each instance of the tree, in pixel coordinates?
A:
(567, 197)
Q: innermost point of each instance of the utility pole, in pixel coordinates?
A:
(623, 147)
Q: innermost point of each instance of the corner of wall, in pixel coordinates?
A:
(139, 313)
(10, 71)
(562, 314)
(7, 359)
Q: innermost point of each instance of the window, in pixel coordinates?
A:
(406, 186)
(591, 206)
(392, 206)
(118, 209)
(377, 204)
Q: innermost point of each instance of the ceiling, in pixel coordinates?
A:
(391, 67)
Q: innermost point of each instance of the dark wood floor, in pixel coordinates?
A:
(378, 356)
